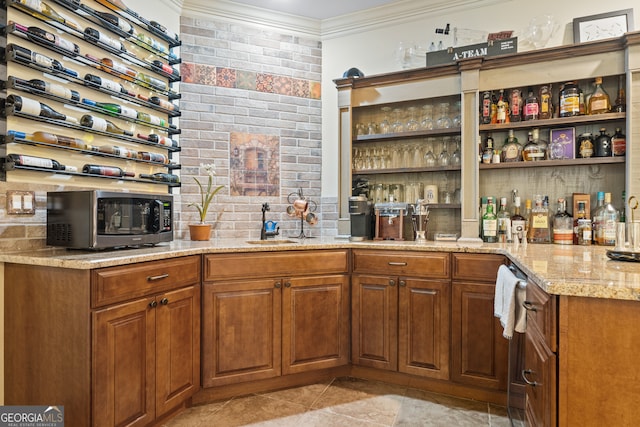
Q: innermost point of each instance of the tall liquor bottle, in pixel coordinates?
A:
(504, 222)
(562, 225)
(607, 217)
(620, 104)
(595, 218)
(546, 102)
(539, 223)
(531, 109)
(490, 223)
(619, 143)
(518, 222)
(102, 125)
(582, 226)
(599, 101)
(485, 108)
(569, 104)
(515, 105)
(502, 112)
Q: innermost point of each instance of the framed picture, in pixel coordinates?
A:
(602, 26)
(562, 143)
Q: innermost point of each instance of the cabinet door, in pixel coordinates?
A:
(479, 351)
(124, 364)
(315, 323)
(241, 335)
(374, 321)
(540, 376)
(423, 334)
(177, 347)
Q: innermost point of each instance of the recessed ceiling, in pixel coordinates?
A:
(316, 9)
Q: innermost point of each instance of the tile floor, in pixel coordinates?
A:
(344, 402)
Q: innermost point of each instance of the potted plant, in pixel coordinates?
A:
(202, 230)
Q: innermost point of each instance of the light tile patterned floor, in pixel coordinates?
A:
(344, 402)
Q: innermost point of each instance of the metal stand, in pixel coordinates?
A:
(307, 216)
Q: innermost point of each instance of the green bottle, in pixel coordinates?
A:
(490, 223)
(113, 108)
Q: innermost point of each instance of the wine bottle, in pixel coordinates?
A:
(112, 108)
(151, 82)
(166, 68)
(50, 138)
(117, 68)
(150, 118)
(116, 21)
(150, 42)
(161, 177)
(124, 152)
(115, 5)
(160, 102)
(161, 140)
(102, 125)
(36, 108)
(36, 162)
(39, 35)
(42, 7)
(51, 88)
(22, 54)
(153, 157)
(93, 80)
(164, 30)
(106, 171)
(96, 36)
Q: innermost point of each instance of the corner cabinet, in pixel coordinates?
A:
(364, 104)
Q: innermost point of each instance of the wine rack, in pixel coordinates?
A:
(146, 96)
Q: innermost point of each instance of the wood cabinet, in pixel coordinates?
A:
(288, 312)
(479, 351)
(400, 313)
(126, 339)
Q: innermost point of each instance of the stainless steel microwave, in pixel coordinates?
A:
(97, 219)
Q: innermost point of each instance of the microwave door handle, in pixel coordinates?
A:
(156, 216)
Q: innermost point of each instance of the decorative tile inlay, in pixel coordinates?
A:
(315, 90)
(282, 85)
(205, 75)
(300, 88)
(254, 164)
(187, 71)
(246, 80)
(225, 77)
(264, 83)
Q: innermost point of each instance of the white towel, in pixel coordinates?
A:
(508, 302)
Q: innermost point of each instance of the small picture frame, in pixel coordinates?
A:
(566, 137)
(602, 26)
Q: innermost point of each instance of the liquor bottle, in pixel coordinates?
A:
(117, 68)
(606, 216)
(161, 140)
(511, 150)
(37, 162)
(584, 146)
(36, 108)
(151, 82)
(93, 80)
(51, 88)
(618, 143)
(504, 222)
(599, 102)
(50, 138)
(106, 171)
(531, 109)
(44, 9)
(494, 109)
(23, 54)
(112, 108)
(487, 152)
(518, 222)
(620, 104)
(39, 35)
(569, 104)
(166, 68)
(562, 225)
(164, 30)
(595, 219)
(582, 226)
(534, 149)
(95, 36)
(502, 112)
(490, 224)
(153, 157)
(515, 102)
(602, 144)
(151, 119)
(116, 21)
(102, 125)
(546, 103)
(539, 223)
(161, 177)
(160, 102)
(485, 108)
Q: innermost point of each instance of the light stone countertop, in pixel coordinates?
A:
(559, 270)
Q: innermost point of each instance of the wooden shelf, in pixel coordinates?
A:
(554, 163)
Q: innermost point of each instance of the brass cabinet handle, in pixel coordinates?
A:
(397, 264)
(153, 304)
(164, 301)
(159, 277)
(528, 305)
(402, 283)
(392, 282)
(526, 372)
(277, 285)
(287, 284)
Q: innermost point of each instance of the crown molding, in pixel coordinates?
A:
(174, 5)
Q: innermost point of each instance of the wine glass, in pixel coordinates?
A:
(385, 126)
(456, 120)
(397, 126)
(427, 117)
(429, 157)
(444, 121)
(444, 159)
(456, 158)
(412, 123)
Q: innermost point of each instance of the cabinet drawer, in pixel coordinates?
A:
(115, 284)
(424, 264)
(541, 314)
(476, 267)
(265, 264)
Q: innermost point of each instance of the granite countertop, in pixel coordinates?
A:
(559, 270)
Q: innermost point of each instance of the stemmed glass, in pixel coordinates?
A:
(444, 121)
(385, 126)
(412, 123)
(456, 121)
(397, 126)
(456, 158)
(427, 119)
(444, 159)
(429, 157)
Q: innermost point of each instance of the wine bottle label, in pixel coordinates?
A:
(63, 43)
(58, 90)
(37, 162)
(99, 124)
(531, 109)
(30, 106)
(154, 120)
(539, 221)
(41, 60)
(619, 146)
(110, 84)
(490, 227)
(33, 4)
(119, 67)
(109, 41)
(124, 25)
(128, 112)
